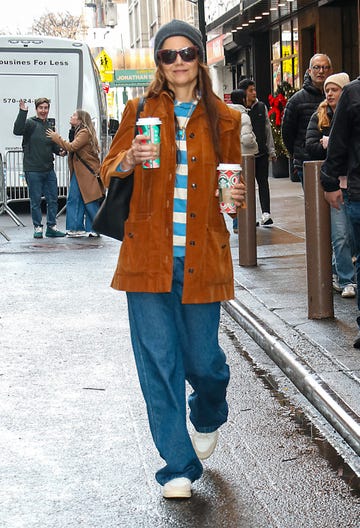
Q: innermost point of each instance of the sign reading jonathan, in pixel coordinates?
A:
(105, 65)
(133, 77)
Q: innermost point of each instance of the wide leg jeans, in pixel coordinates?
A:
(342, 242)
(79, 215)
(174, 342)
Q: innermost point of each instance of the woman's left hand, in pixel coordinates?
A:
(238, 194)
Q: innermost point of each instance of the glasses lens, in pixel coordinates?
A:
(167, 56)
(188, 54)
(317, 68)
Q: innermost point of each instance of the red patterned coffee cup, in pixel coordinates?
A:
(228, 176)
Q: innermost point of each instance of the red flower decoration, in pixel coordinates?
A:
(277, 106)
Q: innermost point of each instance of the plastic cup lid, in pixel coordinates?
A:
(229, 166)
(148, 121)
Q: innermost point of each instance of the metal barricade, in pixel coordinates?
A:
(15, 186)
(2, 194)
(4, 208)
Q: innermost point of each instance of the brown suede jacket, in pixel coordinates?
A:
(80, 148)
(146, 255)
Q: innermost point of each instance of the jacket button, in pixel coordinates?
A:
(192, 215)
(193, 158)
(194, 186)
(131, 235)
(192, 242)
(192, 135)
(191, 270)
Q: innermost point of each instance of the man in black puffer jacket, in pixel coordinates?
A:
(300, 108)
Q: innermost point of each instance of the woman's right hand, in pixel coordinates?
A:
(139, 152)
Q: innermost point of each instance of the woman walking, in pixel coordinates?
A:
(85, 189)
(175, 260)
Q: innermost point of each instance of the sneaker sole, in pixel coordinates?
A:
(203, 455)
(176, 494)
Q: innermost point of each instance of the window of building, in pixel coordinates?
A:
(284, 54)
(153, 17)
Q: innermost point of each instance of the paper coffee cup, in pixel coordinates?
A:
(228, 176)
(150, 126)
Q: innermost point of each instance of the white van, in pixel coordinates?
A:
(60, 69)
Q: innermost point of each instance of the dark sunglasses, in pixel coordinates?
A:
(168, 56)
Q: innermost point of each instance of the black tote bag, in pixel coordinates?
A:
(114, 210)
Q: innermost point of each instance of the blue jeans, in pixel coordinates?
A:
(79, 216)
(342, 243)
(43, 184)
(174, 342)
(353, 209)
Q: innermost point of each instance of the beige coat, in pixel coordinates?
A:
(146, 255)
(88, 182)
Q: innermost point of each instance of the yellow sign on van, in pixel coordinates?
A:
(105, 65)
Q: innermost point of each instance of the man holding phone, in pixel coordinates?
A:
(38, 164)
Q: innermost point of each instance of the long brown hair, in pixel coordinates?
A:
(87, 123)
(323, 116)
(208, 97)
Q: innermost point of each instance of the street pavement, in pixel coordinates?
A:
(276, 292)
(74, 441)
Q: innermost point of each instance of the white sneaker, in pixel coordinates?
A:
(266, 219)
(93, 234)
(74, 234)
(335, 284)
(204, 443)
(348, 291)
(178, 488)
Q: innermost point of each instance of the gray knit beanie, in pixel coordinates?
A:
(177, 28)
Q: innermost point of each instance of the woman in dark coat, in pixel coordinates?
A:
(317, 136)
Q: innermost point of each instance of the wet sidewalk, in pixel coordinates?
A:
(75, 446)
(275, 293)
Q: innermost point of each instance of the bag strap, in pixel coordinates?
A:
(140, 108)
(86, 165)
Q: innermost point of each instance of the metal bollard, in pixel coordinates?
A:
(318, 245)
(247, 216)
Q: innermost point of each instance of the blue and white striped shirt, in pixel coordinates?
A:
(183, 112)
